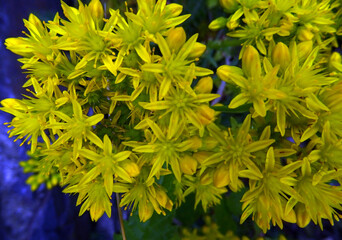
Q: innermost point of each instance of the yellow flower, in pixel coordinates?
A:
(157, 16)
(207, 194)
(320, 200)
(26, 124)
(148, 197)
(78, 127)
(267, 198)
(107, 164)
(175, 68)
(180, 105)
(235, 152)
(165, 147)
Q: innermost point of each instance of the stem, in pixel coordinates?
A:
(120, 217)
(221, 87)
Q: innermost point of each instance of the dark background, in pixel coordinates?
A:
(43, 214)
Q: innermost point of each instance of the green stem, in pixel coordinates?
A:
(120, 217)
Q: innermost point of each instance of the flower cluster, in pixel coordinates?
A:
(117, 105)
(259, 22)
(112, 107)
(290, 80)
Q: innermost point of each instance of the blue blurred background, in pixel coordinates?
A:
(43, 214)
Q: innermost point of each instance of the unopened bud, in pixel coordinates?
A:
(251, 62)
(335, 57)
(35, 21)
(206, 177)
(145, 211)
(303, 217)
(55, 179)
(218, 23)
(281, 55)
(13, 103)
(304, 49)
(173, 9)
(161, 197)
(209, 143)
(197, 50)
(221, 176)
(201, 156)
(176, 38)
(290, 217)
(19, 46)
(130, 167)
(188, 165)
(305, 34)
(196, 143)
(335, 62)
(204, 85)
(205, 114)
(229, 5)
(96, 9)
(232, 24)
(226, 72)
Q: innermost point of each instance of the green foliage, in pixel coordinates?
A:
(158, 227)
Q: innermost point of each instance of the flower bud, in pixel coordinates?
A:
(145, 211)
(305, 34)
(188, 164)
(176, 38)
(290, 217)
(161, 197)
(201, 156)
(251, 62)
(173, 9)
(205, 114)
(335, 57)
(209, 143)
(204, 85)
(281, 55)
(229, 5)
(335, 62)
(35, 21)
(304, 49)
(232, 24)
(196, 143)
(206, 177)
(226, 72)
(221, 176)
(96, 10)
(19, 46)
(13, 103)
(218, 23)
(303, 217)
(130, 167)
(55, 179)
(197, 50)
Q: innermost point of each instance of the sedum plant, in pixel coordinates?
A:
(116, 104)
(289, 82)
(111, 106)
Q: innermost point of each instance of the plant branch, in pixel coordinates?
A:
(120, 216)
